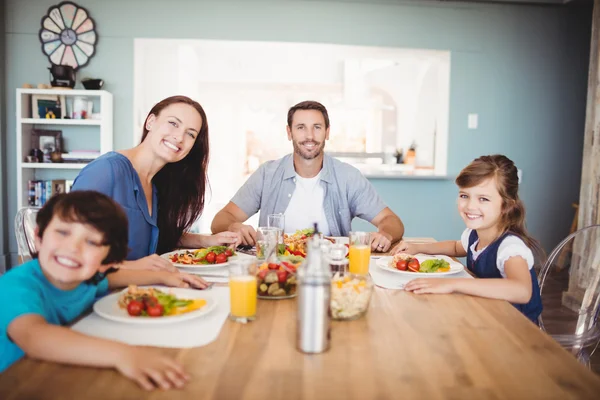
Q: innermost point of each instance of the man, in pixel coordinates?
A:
(309, 186)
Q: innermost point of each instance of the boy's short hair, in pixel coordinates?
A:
(308, 105)
(94, 209)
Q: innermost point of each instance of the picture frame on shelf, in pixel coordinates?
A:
(48, 106)
(48, 141)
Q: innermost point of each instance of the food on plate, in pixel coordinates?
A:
(436, 265)
(350, 295)
(152, 302)
(210, 255)
(277, 279)
(295, 244)
(406, 262)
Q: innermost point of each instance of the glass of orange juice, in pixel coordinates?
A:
(242, 290)
(359, 252)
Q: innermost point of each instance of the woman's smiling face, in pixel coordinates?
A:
(173, 132)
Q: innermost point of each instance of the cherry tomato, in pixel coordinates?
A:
(211, 257)
(273, 266)
(174, 258)
(402, 265)
(220, 258)
(282, 276)
(150, 301)
(135, 308)
(228, 252)
(413, 265)
(155, 310)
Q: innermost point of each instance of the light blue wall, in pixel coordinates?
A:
(523, 69)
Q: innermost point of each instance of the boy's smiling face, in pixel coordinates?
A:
(70, 253)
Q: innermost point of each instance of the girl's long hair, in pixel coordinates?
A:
(504, 171)
(181, 185)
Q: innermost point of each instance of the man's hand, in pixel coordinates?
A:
(247, 233)
(380, 242)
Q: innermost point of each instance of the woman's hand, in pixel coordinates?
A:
(404, 247)
(431, 285)
(183, 280)
(153, 262)
(150, 369)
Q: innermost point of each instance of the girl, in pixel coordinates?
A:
(79, 236)
(496, 243)
(160, 183)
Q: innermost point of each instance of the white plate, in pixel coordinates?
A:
(455, 267)
(108, 307)
(202, 266)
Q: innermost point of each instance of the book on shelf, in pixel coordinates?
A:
(79, 156)
(40, 191)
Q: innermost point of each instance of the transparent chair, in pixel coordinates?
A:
(25, 231)
(570, 290)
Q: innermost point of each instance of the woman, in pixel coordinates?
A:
(160, 183)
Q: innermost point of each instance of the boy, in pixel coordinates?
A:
(79, 236)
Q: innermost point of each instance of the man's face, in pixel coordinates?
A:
(308, 133)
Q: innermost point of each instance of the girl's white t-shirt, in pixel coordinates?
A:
(306, 206)
(511, 246)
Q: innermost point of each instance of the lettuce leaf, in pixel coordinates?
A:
(433, 265)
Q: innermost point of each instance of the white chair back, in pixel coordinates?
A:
(25, 231)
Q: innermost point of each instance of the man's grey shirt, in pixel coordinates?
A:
(347, 193)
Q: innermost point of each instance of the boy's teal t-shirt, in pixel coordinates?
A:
(25, 290)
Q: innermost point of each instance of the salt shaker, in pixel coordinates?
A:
(314, 293)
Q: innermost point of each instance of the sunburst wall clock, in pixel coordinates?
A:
(68, 35)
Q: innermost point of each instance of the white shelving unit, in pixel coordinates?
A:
(92, 130)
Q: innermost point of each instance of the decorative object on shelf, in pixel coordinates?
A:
(399, 156)
(411, 154)
(56, 156)
(27, 86)
(35, 155)
(47, 141)
(44, 86)
(47, 106)
(92, 84)
(68, 35)
(62, 76)
(82, 108)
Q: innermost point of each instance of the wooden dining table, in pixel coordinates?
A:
(407, 346)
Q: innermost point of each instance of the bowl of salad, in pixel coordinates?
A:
(350, 296)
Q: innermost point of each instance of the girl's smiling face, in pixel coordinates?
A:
(480, 206)
(70, 253)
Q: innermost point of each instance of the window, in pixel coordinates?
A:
(380, 100)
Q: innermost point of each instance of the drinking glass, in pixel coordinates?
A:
(267, 240)
(277, 221)
(242, 290)
(360, 252)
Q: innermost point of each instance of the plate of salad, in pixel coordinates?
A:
(154, 305)
(206, 258)
(421, 264)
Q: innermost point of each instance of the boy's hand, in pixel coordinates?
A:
(430, 285)
(404, 247)
(183, 280)
(150, 369)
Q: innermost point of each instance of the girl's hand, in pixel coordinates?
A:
(150, 369)
(153, 262)
(183, 280)
(430, 285)
(225, 239)
(404, 247)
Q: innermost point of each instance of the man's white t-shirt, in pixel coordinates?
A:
(306, 206)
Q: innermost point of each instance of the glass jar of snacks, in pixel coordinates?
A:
(350, 296)
(276, 280)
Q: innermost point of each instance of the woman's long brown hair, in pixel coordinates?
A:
(181, 185)
(504, 171)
